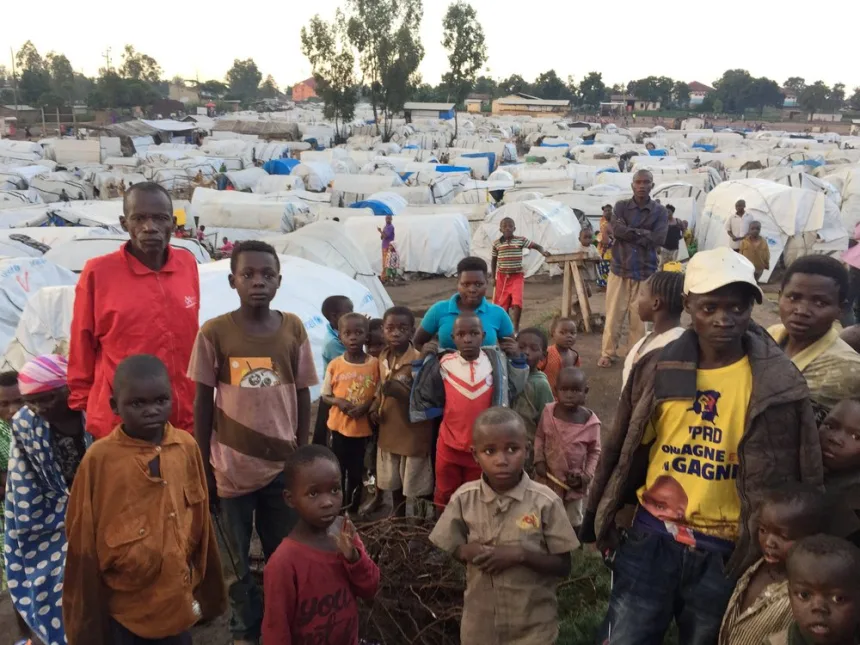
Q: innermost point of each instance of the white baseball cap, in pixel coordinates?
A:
(707, 271)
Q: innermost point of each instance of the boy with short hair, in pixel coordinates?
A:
(313, 579)
(375, 338)
(258, 365)
(514, 537)
(538, 392)
(138, 516)
(458, 386)
(702, 426)
(824, 588)
(349, 388)
(840, 449)
(755, 249)
(403, 464)
(507, 269)
(333, 309)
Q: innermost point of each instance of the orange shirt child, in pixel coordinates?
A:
(357, 384)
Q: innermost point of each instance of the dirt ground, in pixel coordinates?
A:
(542, 302)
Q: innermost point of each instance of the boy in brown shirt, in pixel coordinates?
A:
(514, 536)
(754, 248)
(403, 463)
(142, 563)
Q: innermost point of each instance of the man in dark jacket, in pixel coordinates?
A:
(703, 426)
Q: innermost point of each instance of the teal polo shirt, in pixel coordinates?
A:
(439, 321)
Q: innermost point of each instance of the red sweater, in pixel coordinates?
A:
(310, 595)
(123, 308)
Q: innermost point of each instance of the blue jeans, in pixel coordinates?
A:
(266, 510)
(656, 579)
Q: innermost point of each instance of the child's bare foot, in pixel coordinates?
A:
(605, 361)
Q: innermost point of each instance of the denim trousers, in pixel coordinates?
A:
(266, 510)
(656, 580)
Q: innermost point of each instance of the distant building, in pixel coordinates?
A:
(634, 104)
(26, 114)
(180, 92)
(476, 102)
(525, 104)
(790, 98)
(305, 90)
(416, 110)
(698, 92)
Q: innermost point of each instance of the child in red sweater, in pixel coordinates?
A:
(314, 576)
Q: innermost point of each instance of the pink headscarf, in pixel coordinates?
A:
(43, 374)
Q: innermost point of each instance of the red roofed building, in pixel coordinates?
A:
(698, 92)
(305, 90)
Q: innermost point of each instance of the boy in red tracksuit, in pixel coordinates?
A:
(463, 384)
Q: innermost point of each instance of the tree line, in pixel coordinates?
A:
(372, 49)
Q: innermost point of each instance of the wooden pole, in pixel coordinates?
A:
(15, 86)
(44, 127)
(59, 125)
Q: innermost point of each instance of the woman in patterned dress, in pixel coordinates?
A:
(604, 246)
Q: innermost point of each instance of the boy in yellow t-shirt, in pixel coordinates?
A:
(349, 388)
(703, 427)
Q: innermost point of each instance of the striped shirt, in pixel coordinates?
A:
(509, 253)
(768, 614)
(639, 231)
(256, 381)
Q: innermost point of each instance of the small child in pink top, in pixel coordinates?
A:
(567, 443)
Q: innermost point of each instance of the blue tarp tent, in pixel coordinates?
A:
(446, 115)
(378, 208)
(812, 163)
(554, 145)
(442, 168)
(280, 166)
(491, 156)
(707, 147)
(603, 170)
(657, 153)
(588, 142)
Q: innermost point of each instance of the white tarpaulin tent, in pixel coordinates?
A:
(73, 255)
(549, 223)
(44, 327)
(327, 243)
(847, 181)
(782, 210)
(432, 244)
(20, 278)
(233, 209)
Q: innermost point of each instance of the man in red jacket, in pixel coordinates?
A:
(142, 299)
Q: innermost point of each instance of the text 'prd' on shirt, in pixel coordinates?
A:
(693, 462)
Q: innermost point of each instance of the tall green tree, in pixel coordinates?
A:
(385, 33)
(28, 59)
(550, 87)
(680, 95)
(837, 97)
(733, 90)
(514, 84)
(62, 76)
(854, 101)
(327, 48)
(138, 66)
(244, 79)
(795, 84)
(762, 92)
(213, 89)
(592, 89)
(463, 38)
(269, 88)
(486, 85)
(814, 98)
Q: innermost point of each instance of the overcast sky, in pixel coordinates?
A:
(624, 40)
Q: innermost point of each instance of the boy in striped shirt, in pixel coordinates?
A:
(507, 266)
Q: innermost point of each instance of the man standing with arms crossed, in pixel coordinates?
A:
(639, 226)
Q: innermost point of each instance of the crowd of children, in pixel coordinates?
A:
(714, 449)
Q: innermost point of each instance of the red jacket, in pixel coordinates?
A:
(123, 308)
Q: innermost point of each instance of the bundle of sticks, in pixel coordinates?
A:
(420, 598)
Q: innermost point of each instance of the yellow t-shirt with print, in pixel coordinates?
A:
(693, 462)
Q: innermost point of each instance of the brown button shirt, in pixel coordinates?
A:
(397, 435)
(141, 547)
(518, 606)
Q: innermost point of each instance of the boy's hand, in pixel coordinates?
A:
(540, 469)
(358, 411)
(344, 406)
(344, 541)
(430, 347)
(574, 481)
(468, 552)
(585, 481)
(510, 347)
(388, 388)
(214, 502)
(499, 559)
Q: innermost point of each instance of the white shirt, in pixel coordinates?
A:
(738, 227)
(645, 346)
